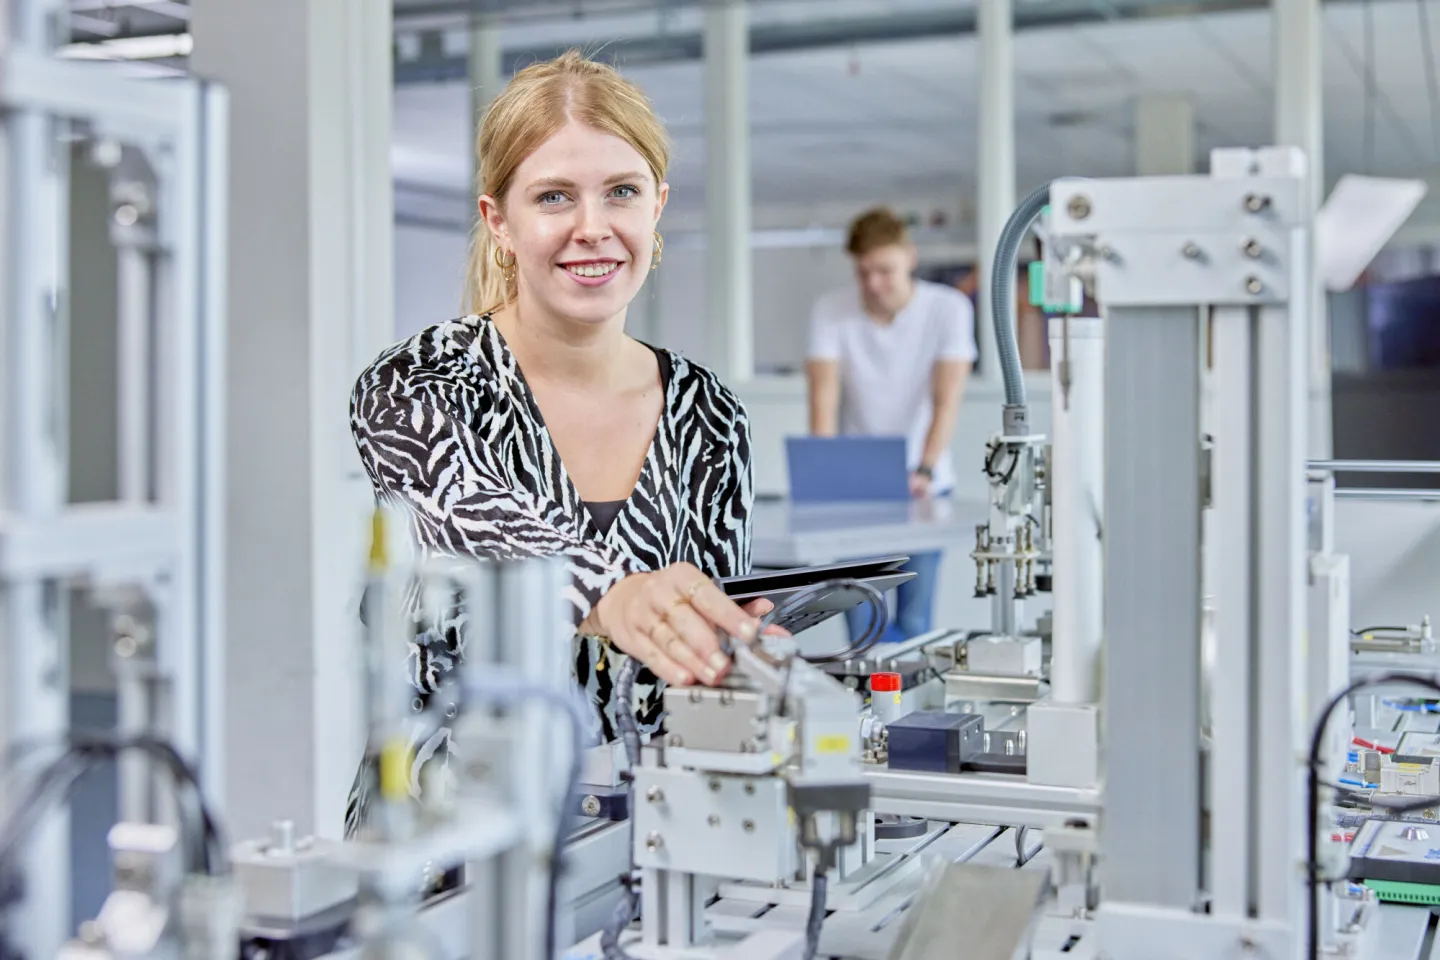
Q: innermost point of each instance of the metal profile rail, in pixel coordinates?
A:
(1380, 466)
(1376, 466)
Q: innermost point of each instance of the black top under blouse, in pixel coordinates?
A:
(604, 512)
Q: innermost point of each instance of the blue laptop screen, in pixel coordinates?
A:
(838, 469)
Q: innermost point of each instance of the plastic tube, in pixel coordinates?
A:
(1002, 292)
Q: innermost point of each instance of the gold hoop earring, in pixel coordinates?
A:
(505, 260)
(659, 250)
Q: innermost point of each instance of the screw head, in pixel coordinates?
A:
(1078, 207)
(1253, 249)
(748, 826)
(750, 789)
(1253, 285)
(1255, 203)
(1191, 251)
(590, 806)
(654, 841)
(713, 820)
(727, 698)
(655, 795)
(715, 784)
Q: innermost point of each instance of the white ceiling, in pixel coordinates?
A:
(898, 121)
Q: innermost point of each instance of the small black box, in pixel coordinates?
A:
(934, 741)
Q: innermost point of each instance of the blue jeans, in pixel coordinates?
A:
(914, 603)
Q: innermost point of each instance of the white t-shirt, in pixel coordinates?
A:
(885, 370)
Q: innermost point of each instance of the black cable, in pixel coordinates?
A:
(55, 782)
(880, 615)
(1020, 858)
(874, 630)
(819, 885)
(1312, 806)
(1364, 630)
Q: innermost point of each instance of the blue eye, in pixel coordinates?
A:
(626, 192)
(554, 196)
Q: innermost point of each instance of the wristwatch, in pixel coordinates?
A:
(925, 472)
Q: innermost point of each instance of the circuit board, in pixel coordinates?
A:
(1399, 860)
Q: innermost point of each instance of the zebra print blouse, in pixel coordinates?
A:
(446, 424)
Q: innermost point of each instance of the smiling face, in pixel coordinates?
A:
(579, 217)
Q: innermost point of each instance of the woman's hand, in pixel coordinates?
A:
(669, 620)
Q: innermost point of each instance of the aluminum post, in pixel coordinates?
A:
(727, 190)
(1077, 490)
(1152, 604)
(995, 169)
(36, 695)
(1297, 32)
(1231, 671)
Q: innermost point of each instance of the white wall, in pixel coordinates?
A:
(429, 277)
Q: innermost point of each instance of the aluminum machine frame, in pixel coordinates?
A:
(1203, 278)
(153, 557)
(1182, 264)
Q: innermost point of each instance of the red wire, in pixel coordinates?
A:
(1371, 746)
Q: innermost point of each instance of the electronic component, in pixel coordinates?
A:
(1400, 861)
(934, 741)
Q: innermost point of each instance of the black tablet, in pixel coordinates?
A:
(777, 586)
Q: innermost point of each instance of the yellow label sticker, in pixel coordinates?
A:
(897, 698)
(832, 743)
(395, 761)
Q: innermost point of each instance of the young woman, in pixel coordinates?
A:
(536, 427)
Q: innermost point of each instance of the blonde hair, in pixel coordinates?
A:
(874, 229)
(532, 108)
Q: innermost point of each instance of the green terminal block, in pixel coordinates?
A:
(1037, 292)
(1394, 891)
(1037, 287)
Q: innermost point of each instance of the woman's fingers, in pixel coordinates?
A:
(758, 607)
(711, 603)
(681, 646)
(700, 637)
(653, 655)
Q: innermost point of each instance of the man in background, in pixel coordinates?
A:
(890, 357)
